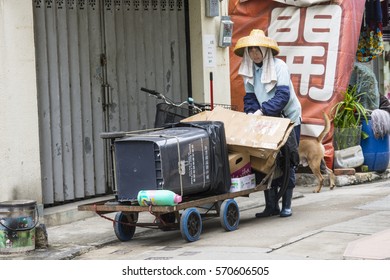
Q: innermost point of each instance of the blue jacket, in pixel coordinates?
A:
(273, 107)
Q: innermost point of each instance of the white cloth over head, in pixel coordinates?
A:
(268, 77)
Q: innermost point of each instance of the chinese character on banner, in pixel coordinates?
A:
(306, 38)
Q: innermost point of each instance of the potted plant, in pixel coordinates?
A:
(347, 117)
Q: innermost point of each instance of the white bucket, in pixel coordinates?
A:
(349, 158)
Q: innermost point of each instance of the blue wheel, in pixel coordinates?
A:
(190, 224)
(123, 231)
(229, 215)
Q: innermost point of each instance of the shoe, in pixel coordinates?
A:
(271, 205)
(286, 203)
(286, 212)
(268, 213)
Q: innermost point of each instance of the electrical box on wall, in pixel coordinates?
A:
(225, 32)
(212, 8)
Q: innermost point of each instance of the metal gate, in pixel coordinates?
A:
(92, 57)
(145, 45)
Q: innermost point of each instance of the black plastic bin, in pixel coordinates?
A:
(219, 156)
(187, 159)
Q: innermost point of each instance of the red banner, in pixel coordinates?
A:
(319, 45)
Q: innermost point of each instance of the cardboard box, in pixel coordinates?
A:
(263, 165)
(243, 183)
(239, 164)
(256, 134)
(259, 136)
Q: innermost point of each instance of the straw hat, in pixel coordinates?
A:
(256, 38)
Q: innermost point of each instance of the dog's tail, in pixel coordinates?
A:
(326, 128)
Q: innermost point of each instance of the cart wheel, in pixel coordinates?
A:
(229, 215)
(190, 224)
(122, 231)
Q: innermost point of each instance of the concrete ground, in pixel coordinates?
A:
(74, 234)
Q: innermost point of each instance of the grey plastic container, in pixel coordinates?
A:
(175, 159)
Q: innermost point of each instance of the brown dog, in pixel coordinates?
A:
(311, 153)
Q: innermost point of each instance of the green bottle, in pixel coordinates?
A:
(158, 197)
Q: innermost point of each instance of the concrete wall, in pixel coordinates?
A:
(201, 27)
(19, 141)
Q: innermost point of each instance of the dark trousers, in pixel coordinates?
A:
(272, 204)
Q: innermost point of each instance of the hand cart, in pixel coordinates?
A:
(185, 215)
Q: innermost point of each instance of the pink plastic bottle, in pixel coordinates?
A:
(158, 197)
